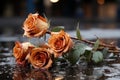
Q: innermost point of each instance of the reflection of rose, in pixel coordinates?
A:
(41, 75)
(20, 51)
(20, 74)
(35, 26)
(40, 58)
(60, 42)
(32, 74)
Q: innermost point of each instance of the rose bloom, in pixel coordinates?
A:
(35, 26)
(21, 50)
(40, 58)
(60, 42)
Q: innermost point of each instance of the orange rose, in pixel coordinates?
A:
(35, 26)
(60, 42)
(20, 51)
(40, 58)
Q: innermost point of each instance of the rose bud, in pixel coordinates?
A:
(21, 50)
(60, 42)
(40, 58)
(35, 26)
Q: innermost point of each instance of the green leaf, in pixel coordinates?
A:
(75, 53)
(88, 55)
(78, 32)
(105, 53)
(96, 45)
(48, 21)
(45, 17)
(97, 56)
(80, 47)
(73, 57)
(57, 29)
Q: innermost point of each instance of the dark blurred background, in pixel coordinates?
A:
(91, 14)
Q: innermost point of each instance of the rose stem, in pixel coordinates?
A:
(117, 50)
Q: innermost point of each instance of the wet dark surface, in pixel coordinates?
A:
(107, 70)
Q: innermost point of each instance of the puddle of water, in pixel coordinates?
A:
(109, 70)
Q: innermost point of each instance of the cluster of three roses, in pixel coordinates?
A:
(40, 57)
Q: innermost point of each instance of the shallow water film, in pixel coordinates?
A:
(107, 70)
